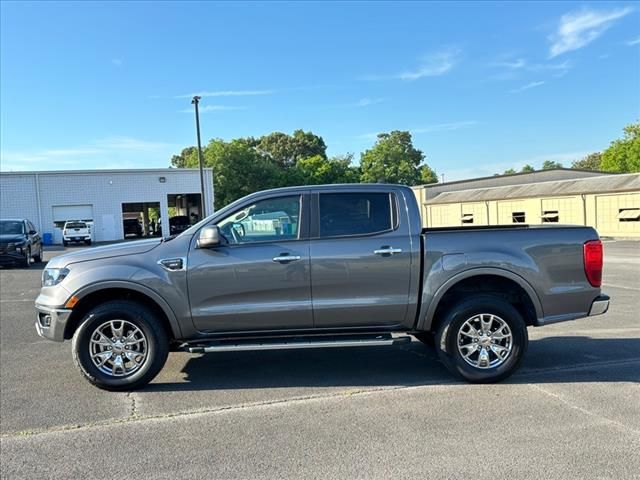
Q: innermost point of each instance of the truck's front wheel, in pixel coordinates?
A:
(482, 339)
(120, 345)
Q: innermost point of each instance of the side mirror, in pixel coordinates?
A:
(209, 237)
(32, 232)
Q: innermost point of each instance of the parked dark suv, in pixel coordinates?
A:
(131, 226)
(20, 243)
(178, 224)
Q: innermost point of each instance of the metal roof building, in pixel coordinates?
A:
(608, 202)
(106, 199)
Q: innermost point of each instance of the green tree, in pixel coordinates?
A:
(318, 170)
(590, 162)
(623, 155)
(509, 171)
(238, 169)
(550, 164)
(287, 150)
(428, 175)
(528, 169)
(185, 157)
(393, 159)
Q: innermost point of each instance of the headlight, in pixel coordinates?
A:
(53, 276)
(16, 244)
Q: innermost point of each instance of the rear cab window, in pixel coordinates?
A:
(349, 214)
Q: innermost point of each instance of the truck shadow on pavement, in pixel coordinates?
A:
(549, 360)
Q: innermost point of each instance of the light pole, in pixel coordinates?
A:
(195, 101)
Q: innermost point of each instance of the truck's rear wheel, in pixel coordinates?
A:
(120, 345)
(482, 339)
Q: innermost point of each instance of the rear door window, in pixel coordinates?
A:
(345, 214)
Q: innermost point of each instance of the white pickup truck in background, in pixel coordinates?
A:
(76, 231)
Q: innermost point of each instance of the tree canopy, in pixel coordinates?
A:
(590, 162)
(394, 159)
(550, 164)
(623, 154)
(245, 165)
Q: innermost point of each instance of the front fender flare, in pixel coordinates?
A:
(137, 287)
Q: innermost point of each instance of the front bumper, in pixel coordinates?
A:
(51, 322)
(76, 238)
(12, 258)
(599, 306)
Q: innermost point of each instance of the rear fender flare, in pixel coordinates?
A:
(425, 322)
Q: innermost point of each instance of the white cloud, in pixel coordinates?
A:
(432, 65)
(130, 143)
(109, 149)
(511, 64)
(444, 127)
(213, 108)
(227, 93)
(633, 41)
(579, 28)
(365, 102)
(439, 127)
(521, 64)
(527, 87)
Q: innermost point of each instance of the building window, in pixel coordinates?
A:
(467, 218)
(518, 217)
(550, 216)
(629, 214)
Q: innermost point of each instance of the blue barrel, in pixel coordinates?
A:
(47, 238)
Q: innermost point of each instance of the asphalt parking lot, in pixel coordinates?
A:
(572, 411)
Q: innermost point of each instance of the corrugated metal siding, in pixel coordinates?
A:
(104, 190)
(607, 183)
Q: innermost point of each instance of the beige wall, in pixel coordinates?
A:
(597, 210)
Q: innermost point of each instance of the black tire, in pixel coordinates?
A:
(447, 338)
(65, 243)
(141, 317)
(26, 262)
(37, 258)
(87, 242)
(428, 338)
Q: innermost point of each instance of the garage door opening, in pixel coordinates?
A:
(141, 220)
(64, 213)
(184, 210)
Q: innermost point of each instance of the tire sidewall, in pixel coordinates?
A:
(157, 345)
(447, 338)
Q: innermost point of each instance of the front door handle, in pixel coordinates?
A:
(286, 258)
(387, 251)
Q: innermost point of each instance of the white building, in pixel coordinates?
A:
(105, 198)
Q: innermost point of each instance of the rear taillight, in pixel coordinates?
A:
(593, 262)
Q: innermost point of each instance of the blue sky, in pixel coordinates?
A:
(482, 86)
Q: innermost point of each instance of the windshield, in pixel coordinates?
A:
(11, 227)
(76, 225)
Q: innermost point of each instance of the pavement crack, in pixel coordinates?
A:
(133, 413)
(573, 406)
(134, 418)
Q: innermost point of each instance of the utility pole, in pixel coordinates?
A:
(443, 178)
(195, 101)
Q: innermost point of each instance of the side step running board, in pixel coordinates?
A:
(295, 343)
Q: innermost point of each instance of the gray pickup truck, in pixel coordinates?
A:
(317, 267)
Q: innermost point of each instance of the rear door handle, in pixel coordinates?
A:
(387, 251)
(286, 258)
